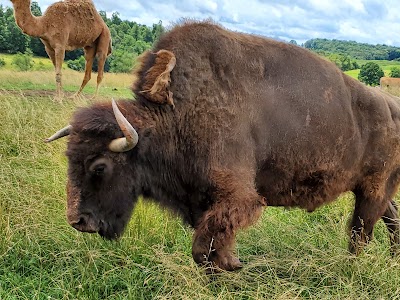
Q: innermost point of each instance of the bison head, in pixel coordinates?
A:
(100, 188)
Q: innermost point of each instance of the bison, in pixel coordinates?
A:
(225, 123)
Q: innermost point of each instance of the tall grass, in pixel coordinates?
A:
(288, 254)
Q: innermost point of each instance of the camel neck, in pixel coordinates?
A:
(25, 20)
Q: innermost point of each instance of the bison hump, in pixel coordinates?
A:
(155, 87)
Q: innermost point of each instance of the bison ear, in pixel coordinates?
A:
(158, 78)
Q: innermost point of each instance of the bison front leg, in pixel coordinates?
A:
(236, 205)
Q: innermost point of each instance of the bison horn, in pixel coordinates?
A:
(59, 134)
(131, 137)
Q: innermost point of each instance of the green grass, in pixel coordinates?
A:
(288, 254)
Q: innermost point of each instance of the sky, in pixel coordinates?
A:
(366, 21)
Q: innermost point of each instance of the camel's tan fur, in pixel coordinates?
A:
(68, 25)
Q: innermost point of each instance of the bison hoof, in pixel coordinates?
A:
(356, 248)
(217, 261)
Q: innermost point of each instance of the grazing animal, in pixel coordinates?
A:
(225, 123)
(68, 25)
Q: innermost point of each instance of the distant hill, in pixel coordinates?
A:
(354, 49)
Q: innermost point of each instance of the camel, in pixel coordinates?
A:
(65, 26)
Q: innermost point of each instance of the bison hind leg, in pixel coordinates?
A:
(391, 219)
(369, 208)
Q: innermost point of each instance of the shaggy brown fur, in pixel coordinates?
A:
(253, 118)
(68, 25)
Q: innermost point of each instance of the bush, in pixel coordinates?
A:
(2, 62)
(395, 72)
(23, 62)
(370, 74)
(77, 64)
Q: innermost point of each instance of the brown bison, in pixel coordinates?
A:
(225, 123)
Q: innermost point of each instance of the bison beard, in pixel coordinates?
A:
(224, 123)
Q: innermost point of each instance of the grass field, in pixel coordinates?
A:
(288, 254)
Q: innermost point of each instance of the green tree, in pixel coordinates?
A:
(14, 40)
(395, 72)
(103, 15)
(370, 73)
(355, 65)
(157, 30)
(115, 19)
(344, 62)
(394, 54)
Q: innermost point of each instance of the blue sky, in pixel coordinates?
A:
(368, 21)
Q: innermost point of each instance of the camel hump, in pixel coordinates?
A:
(157, 79)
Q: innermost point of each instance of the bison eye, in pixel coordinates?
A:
(101, 167)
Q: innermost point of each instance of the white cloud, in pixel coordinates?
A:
(357, 5)
(325, 6)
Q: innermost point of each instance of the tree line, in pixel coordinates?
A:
(354, 49)
(129, 39)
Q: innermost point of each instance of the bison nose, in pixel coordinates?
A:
(85, 223)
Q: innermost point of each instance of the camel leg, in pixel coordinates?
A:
(50, 52)
(391, 219)
(103, 50)
(236, 204)
(101, 57)
(368, 210)
(89, 57)
(59, 59)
